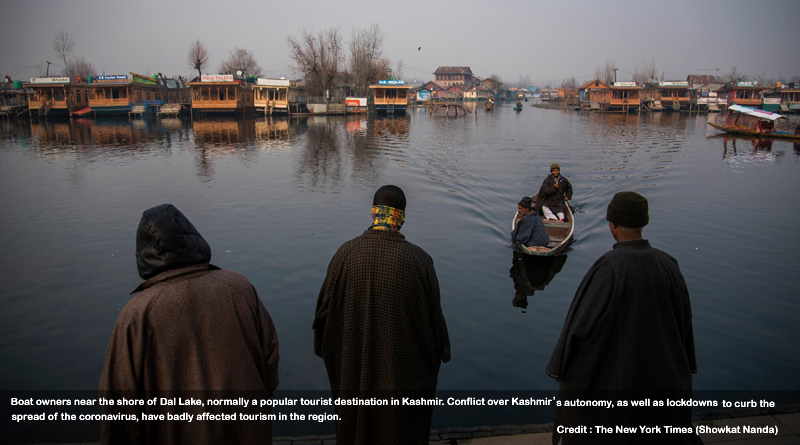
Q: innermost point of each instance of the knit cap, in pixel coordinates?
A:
(628, 209)
(526, 202)
(554, 166)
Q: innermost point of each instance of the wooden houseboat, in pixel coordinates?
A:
(790, 98)
(389, 96)
(587, 96)
(747, 93)
(476, 93)
(621, 96)
(705, 98)
(221, 94)
(55, 96)
(117, 95)
(674, 95)
(13, 99)
(271, 96)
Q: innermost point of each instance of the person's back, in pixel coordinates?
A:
(193, 329)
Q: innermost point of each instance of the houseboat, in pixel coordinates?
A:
(620, 96)
(389, 96)
(55, 96)
(674, 95)
(272, 96)
(221, 94)
(747, 93)
(477, 93)
(13, 100)
(586, 94)
(117, 95)
(790, 98)
(706, 98)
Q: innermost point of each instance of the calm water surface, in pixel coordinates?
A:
(275, 199)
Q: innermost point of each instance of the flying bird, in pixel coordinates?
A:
(420, 48)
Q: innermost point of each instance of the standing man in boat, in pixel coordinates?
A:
(554, 194)
(193, 327)
(380, 330)
(529, 230)
(628, 336)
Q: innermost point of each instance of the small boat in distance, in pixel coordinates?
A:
(518, 106)
(764, 125)
(560, 233)
(490, 105)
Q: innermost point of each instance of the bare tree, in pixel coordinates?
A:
(79, 67)
(569, 84)
(398, 73)
(198, 56)
(763, 80)
(606, 73)
(366, 54)
(63, 44)
(496, 78)
(524, 81)
(240, 60)
(320, 57)
(647, 72)
(734, 75)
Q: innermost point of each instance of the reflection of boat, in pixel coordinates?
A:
(532, 273)
(560, 234)
(763, 127)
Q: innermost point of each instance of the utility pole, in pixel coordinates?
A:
(615, 75)
(48, 69)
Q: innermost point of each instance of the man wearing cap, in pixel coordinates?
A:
(192, 326)
(628, 335)
(380, 330)
(554, 193)
(529, 230)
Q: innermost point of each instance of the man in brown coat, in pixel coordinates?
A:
(380, 329)
(193, 328)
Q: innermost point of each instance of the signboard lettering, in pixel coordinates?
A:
(113, 77)
(749, 83)
(216, 78)
(673, 84)
(391, 82)
(273, 82)
(49, 80)
(624, 84)
(355, 101)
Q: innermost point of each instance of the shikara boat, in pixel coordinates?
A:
(489, 106)
(518, 106)
(560, 234)
(764, 123)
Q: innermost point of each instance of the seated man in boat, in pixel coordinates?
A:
(554, 194)
(529, 231)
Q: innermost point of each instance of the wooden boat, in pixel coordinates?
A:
(489, 106)
(518, 106)
(560, 234)
(763, 127)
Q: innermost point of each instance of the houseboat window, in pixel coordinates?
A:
(77, 96)
(282, 95)
(58, 95)
(231, 93)
(115, 94)
(204, 93)
(107, 93)
(148, 95)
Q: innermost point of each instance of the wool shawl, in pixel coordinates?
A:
(628, 334)
(553, 197)
(380, 330)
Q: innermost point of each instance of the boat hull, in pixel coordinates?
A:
(748, 132)
(561, 235)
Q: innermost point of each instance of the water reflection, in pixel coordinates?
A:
(531, 273)
(748, 149)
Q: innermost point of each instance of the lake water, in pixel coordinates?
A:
(275, 198)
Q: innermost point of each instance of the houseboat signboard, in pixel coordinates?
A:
(624, 84)
(391, 82)
(216, 78)
(45, 80)
(273, 82)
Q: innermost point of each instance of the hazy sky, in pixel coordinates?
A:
(549, 41)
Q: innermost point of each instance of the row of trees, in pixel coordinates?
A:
(239, 59)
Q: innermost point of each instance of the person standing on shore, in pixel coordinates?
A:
(380, 330)
(193, 327)
(628, 335)
(554, 193)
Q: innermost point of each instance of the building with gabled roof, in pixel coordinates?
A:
(454, 75)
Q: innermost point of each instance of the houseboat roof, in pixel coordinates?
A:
(742, 86)
(453, 70)
(593, 84)
(697, 79)
(708, 87)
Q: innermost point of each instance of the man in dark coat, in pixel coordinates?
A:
(628, 335)
(529, 230)
(554, 193)
(380, 330)
(193, 327)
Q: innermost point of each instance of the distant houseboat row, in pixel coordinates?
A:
(135, 94)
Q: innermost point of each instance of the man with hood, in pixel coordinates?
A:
(380, 330)
(628, 336)
(194, 327)
(553, 195)
(529, 229)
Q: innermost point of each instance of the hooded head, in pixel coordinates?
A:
(167, 240)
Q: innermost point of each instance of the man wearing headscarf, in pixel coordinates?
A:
(628, 336)
(193, 327)
(380, 330)
(553, 195)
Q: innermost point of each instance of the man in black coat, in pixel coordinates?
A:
(628, 336)
(554, 193)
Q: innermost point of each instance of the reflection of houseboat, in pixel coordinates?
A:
(743, 93)
(221, 93)
(674, 95)
(216, 131)
(272, 129)
(272, 95)
(389, 96)
(55, 96)
(118, 94)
